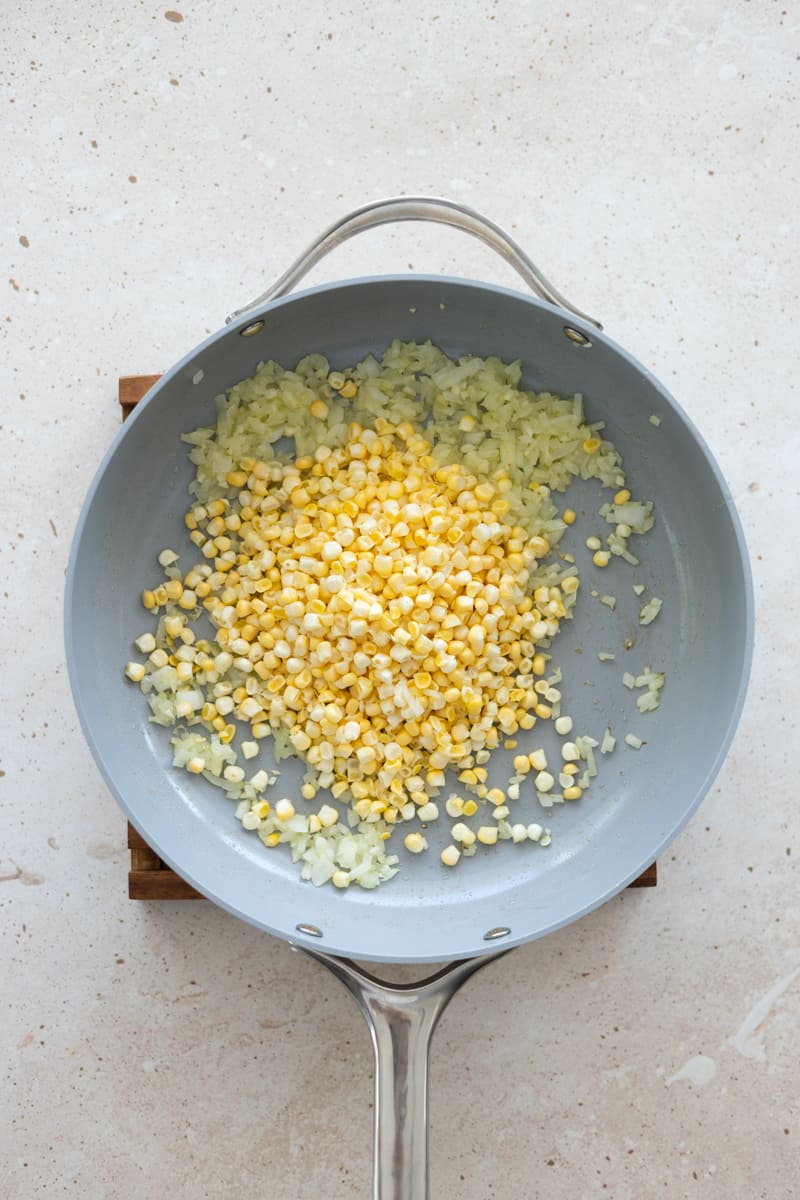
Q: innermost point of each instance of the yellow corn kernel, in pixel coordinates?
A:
(572, 793)
(544, 711)
(227, 734)
(272, 839)
(470, 808)
(600, 558)
(348, 390)
(569, 516)
(591, 445)
(236, 479)
(622, 497)
(450, 855)
(415, 843)
(319, 409)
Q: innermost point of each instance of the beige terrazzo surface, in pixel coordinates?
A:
(158, 169)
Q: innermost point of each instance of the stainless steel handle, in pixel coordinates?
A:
(417, 208)
(401, 1020)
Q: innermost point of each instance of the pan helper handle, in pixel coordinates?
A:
(401, 1020)
(417, 208)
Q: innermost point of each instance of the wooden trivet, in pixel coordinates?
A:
(149, 878)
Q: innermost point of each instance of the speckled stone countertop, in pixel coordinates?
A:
(159, 169)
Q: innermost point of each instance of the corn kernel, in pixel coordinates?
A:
(569, 516)
(450, 855)
(415, 843)
(487, 835)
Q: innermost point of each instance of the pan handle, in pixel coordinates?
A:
(416, 208)
(401, 1020)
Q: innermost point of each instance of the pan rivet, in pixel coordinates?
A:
(311, 930)
(576, 337)
(253, 327)
(498, 932)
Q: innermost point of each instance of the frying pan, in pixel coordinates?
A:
(694, 560)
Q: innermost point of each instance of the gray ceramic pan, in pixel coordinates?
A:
(694, 560)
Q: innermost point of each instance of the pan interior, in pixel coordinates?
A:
(693, 559)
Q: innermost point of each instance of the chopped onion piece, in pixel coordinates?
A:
(608, 743)
(650, 611)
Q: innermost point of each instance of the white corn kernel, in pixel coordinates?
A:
(284, 810)
(196, 765)
(450, 856)
(249, 749)
(454, 806)
(544, 781)
(534, 831)
(487, 835)
(135, 671)
(462, 833)
(563, 725)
